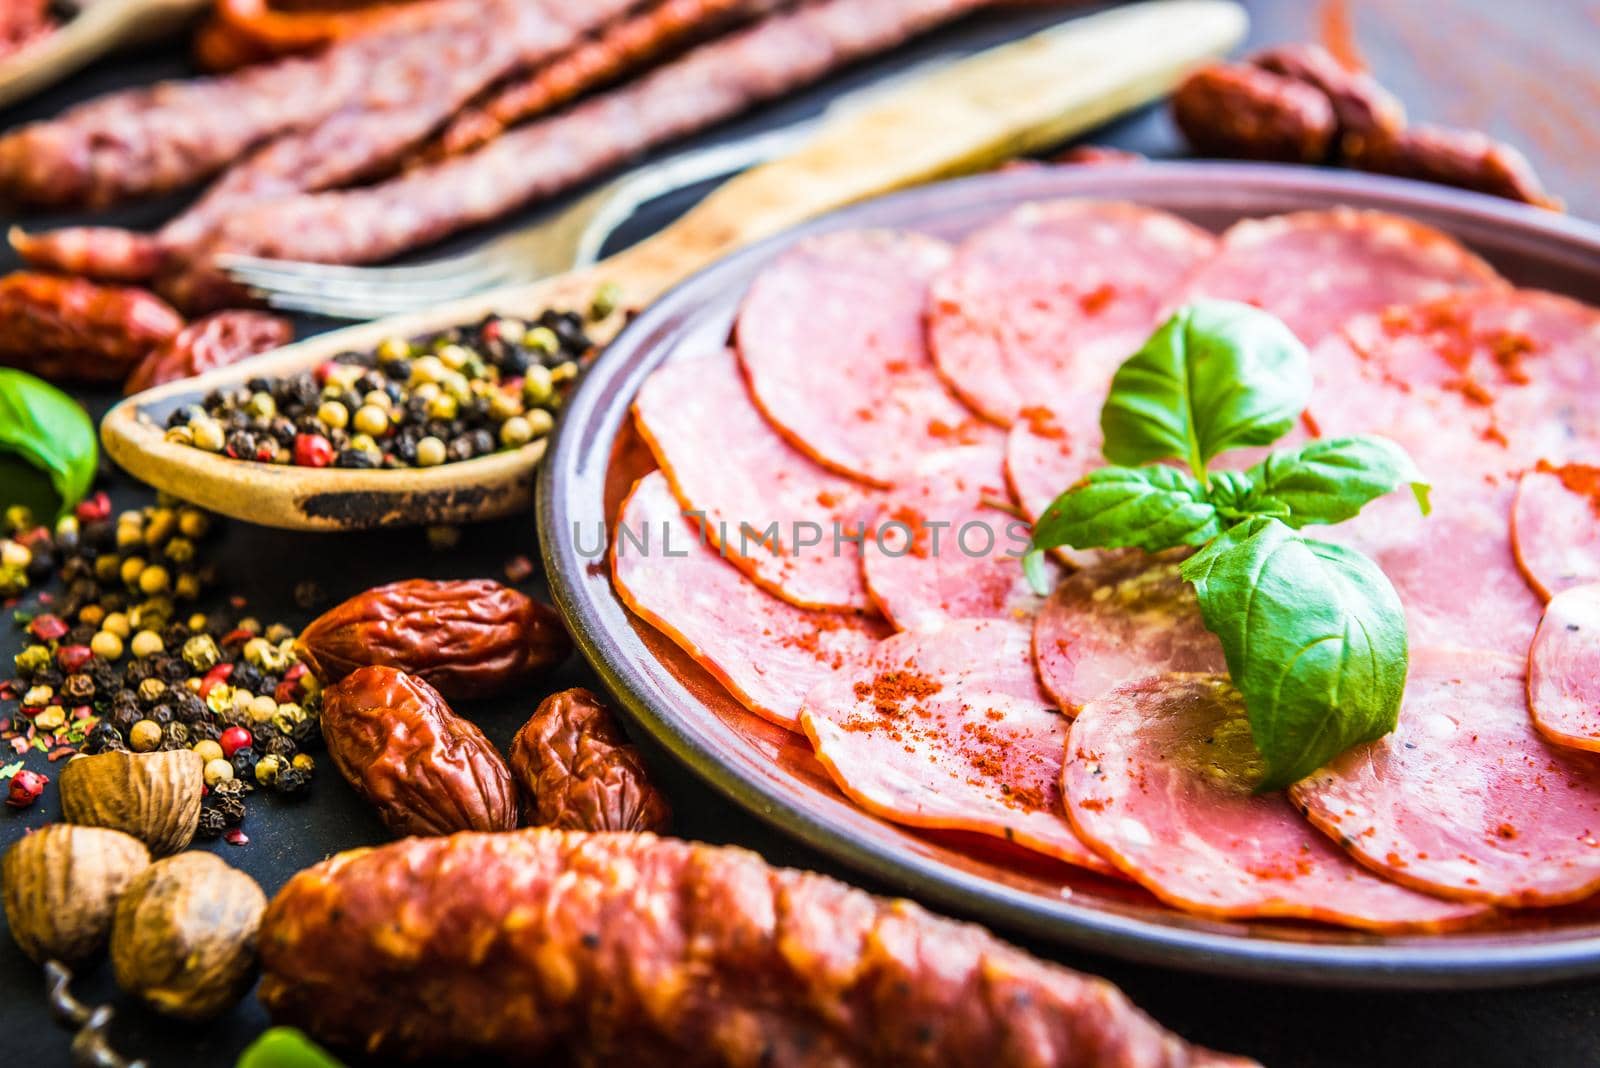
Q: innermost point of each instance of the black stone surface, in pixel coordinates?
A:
(1549, 1026)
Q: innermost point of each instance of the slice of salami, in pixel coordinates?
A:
(943, 550)
(1050, 285)
(1465, 799)
(770, 510)
(1482, 385)
(947, 729)
(831, 338)
(767, 652)
(1316, 269)
(1555, 527)
(1564, 669)
(1453, 569)
(1160, 778)
(1129, 616)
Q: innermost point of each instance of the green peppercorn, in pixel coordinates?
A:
(333, 414)
(267, 768)
(370, 419)
(19, 517)
(540, 422)
(200, 652)
(515, 431)
(32, 660)
(13, 580)
(193, 523)
(605, 301)
(393, 348)
(430, 452)
(179, 435)
(179, 550)
(537, 385)
(261, 406)
(542, 340)
(154, 580)
(208, 434)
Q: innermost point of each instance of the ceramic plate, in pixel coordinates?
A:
(597, 456)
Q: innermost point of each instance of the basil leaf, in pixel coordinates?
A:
(1330, 481)
(1150, 508)
(1315, 640)
(48, 450)
(1216, 376)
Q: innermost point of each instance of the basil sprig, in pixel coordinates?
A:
(1313, 633)
(47, 445)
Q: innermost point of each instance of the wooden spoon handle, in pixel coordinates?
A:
(1009, 100)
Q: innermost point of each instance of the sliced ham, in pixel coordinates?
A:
(945, 547)
(1483, 385)
(767, 652)
(1564, 669)
(1160, 778)
(1046, 453)
(1129, 616)
(1477, 389)
(947, 729)
(831, 339)
(724, 461)
(1316, 269)
(1555, 527)
(1465, 799)
(1050, 285)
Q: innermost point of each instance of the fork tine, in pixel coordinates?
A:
(462, 282)
(354, 309)
(287, 272)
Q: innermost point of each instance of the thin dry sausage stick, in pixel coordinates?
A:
(709, 84)
(421, 89)
(622, 48)
(167, 136)
(362, 141)
(626, 949)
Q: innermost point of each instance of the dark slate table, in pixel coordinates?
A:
(1522, 71)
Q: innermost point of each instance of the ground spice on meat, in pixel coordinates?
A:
(1581, 479)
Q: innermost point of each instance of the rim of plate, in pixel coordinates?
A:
(571, 492)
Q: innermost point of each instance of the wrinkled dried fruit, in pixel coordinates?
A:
(468, 638)
(424, 768)
(184, 937)
(575, 771)
(153, 796)
(61, 885)
(70, 328)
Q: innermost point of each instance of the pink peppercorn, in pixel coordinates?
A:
(26, 788)
(234, 739)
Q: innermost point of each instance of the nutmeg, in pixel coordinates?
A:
(153, 796)
(184, 937)
(61, 885)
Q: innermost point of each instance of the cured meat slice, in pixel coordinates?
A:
(767, 652)
(1465, 799)
(1316, 269)
(831, 339)
(945, 547)
(1475, 385)
(1052, 284)
(947, 729)
(1129, 616)
(1046, 453)
(1453, 569)
(1564, 669)
(1555, 527)
(793, 527)
(706, 85)
(1160, 777)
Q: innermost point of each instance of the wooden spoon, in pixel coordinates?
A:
(97, 27)
(1016, 98)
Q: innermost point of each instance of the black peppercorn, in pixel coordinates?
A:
(244, 764)
(281, 746)
(175, 732)
(204, 731)
(186, 706)
(212, 823)
(246, 677)
(79, 688)
(104, 738)
(292, 782)
(162, 714)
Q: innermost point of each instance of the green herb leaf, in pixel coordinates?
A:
(1331, 480)
(285, 1047)
(1218, 375)
(1150, 508)
(48, 451)
(1315, 639)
